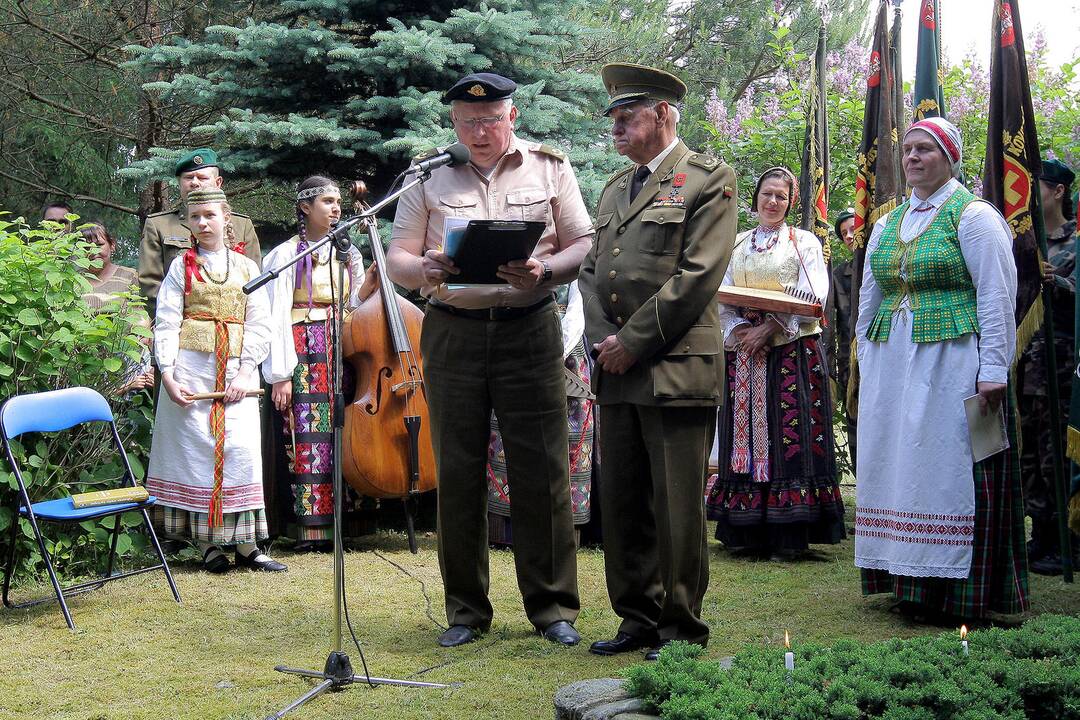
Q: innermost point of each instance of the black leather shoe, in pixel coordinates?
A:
(217, 564)
(458, 635)
(258, 561)
(561, 632)
(622, 642)
(654, 652)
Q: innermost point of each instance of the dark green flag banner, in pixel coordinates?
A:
(929, 100)
(877, 182)
(1012, 161)
(814, 180)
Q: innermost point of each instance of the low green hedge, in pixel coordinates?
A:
(1027, 672)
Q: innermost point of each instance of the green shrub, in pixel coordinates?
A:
(1028, 672)
(50, 339)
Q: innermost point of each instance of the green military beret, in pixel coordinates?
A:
(841, 218)
(627, 83)
(196, 160)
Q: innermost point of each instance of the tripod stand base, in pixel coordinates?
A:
(337, 675)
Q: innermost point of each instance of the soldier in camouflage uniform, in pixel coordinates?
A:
(1037, 465)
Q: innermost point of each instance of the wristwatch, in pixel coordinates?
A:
(547, 272)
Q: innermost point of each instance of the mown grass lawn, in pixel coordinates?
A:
(139, 655)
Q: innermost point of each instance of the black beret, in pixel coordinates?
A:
(1057, 172)
(481, 87)
(846, 215)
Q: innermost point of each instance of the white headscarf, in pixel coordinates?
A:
(946, 135)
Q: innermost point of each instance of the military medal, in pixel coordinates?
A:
(673, 199)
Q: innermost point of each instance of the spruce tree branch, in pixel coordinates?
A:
(54, 190)
(90, 119)
(65, 39)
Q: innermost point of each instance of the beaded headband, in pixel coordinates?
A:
(316, 192)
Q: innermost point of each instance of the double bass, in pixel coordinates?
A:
(387, 445)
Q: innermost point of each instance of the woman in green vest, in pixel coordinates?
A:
(943, 533)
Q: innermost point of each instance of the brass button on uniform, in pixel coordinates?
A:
(614, 297)
(686, 348)
(621, 230)
(619, 320)
(612, 274)
(616, 252)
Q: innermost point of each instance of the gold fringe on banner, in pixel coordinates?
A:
(879, 212)
(852, 400)
(1072, 447)
(1027, 328)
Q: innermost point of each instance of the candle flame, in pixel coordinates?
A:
(963, 632)
(787, 640)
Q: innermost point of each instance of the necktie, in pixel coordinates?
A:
(640, 177)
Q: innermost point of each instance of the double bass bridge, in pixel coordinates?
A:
(406, 385)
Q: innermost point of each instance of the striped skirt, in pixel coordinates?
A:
(800, 503)
(580, 423)
(309, 435)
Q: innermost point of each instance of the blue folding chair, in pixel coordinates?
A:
(49, 412)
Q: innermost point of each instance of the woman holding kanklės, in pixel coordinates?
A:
(942, 533)
(776, 489)
(299, 366)
(205, 458)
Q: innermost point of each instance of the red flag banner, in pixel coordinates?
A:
(814, 180)
(877, 183)
(1013, 163)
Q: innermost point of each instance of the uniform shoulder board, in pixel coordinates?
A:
(425, 155)
(707, 162)
(553, 152)
(239, 214)
(161, 214)
(620, 174)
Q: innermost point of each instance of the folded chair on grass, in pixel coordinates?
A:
(61, 410)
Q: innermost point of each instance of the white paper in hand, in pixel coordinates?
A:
(988, 435)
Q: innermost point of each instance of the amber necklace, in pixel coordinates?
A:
(228, 266)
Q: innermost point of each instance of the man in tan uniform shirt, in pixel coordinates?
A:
(665, 229)
(166, 234)
(498, 349)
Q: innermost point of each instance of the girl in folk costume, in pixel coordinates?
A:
(776, 489)
(300, 366)
(205, 459)
(942, 533)
(580, 423)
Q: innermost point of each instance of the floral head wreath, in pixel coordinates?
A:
(791, 178)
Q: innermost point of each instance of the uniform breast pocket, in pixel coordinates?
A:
(171, 247)
(662, 230)
(459, 205)
(528, 204)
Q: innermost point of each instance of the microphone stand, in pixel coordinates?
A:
(337, 673)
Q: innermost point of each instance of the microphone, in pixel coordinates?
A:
(456, 154)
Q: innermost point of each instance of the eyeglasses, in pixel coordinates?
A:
(487, 123)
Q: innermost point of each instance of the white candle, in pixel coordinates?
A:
(963, 643)
(789, 657)
(963, 640)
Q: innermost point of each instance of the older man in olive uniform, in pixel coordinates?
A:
(166, 234)
(665, 228)
(497, 348)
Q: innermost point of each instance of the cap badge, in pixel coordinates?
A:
(477, 91)
(197, 159)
